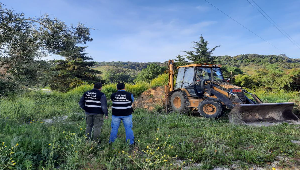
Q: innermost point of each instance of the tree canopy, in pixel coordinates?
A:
(201, 53)
(23, 41)
(150, 72)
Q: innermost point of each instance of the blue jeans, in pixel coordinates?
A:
(128, 124)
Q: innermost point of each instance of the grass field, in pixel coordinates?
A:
(163, 141)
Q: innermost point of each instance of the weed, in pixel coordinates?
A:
(163, 141)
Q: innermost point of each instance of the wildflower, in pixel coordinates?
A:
(12, 152)
(3, 143)
(165, 160)
(122, 151)
(147, 146)
(17, 144)
(81, 128)
(14, 163)
(157, 139)
(49, 144)
(273, 168)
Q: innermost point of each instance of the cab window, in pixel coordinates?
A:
(217, 74)
(188, 77)
(203, 74)
(180, 78)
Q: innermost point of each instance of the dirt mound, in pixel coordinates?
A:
(151, 99)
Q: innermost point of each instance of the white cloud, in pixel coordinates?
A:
(202, 8)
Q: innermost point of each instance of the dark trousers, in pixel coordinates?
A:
(94, 121)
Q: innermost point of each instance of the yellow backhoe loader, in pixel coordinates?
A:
(202, 88)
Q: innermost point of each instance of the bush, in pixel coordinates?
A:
(8, 87)
(244, 80)
(150, 72)
(161, 80)
(137, 89)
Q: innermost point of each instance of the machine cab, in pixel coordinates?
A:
(192, 76)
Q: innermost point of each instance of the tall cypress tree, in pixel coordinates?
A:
(201, 54)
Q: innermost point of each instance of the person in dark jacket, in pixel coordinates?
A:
(94, 103)
(122, 111)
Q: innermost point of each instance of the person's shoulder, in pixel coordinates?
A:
(87, 92)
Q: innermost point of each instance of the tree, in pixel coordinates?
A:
(24, 40)
(150, 72)
(119, 74)
(180, 61)
(229, 71)
(202, 54)
(19, 46)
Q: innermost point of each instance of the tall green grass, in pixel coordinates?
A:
(163, 141)
(37, 106)
(279, 96)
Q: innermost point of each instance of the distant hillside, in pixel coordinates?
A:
(255, 61)
(129, 65)
(249, 61)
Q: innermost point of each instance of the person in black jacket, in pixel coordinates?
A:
(122, 111)
(94, 103)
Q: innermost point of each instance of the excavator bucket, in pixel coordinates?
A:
(271, 112)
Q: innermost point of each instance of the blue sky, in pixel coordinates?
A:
(158, 30)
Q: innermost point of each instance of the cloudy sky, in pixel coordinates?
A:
(158, 30)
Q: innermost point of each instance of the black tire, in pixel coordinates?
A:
(210, 109)
(178, 102)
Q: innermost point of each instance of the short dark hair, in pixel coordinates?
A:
(97, 85)
(120, 86)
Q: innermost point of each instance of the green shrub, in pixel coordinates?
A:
(161, 80)
(109, 89)
(150, 72)
(137, 89)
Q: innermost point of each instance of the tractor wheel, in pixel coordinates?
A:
(210, 109)
(178, 102)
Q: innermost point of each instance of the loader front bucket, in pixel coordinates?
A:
(272, 112)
